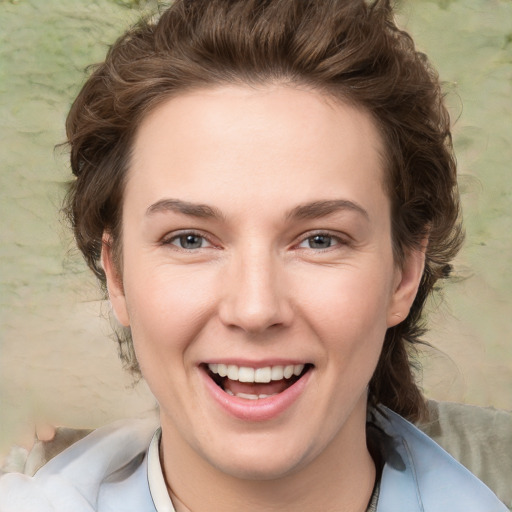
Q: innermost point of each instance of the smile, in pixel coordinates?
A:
(255, 383)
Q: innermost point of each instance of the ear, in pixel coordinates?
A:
(114, 282)
(408, 278)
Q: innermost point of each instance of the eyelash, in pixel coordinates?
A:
(336, 240)
(180, 237)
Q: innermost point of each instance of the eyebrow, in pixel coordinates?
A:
(313, 210)
(184, 207)
(318, 209)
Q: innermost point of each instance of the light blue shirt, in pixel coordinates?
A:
(117, 469)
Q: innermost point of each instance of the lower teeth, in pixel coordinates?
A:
(248, 396)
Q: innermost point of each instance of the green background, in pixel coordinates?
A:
(57, 362)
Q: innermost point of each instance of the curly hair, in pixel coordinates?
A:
(351, 50)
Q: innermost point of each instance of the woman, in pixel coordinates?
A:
(267, 191)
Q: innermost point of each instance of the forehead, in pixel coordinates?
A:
(264, 144)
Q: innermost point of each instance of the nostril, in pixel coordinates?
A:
(255, 299)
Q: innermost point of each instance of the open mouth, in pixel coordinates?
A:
(255, 383)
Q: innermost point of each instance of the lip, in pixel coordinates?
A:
(252, 364)
(264, 409)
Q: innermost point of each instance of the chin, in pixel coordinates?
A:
(259, 470)
(260, 460)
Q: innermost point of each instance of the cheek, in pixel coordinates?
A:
(349, 300)
(167, 307)
(348, 313)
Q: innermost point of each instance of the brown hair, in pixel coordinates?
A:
(349, 49)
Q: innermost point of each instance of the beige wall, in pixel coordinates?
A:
(56, 360)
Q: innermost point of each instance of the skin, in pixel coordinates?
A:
(258, 287)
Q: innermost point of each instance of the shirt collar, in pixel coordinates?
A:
(156, 481)
(419, 476)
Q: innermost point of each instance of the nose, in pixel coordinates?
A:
(255, 298)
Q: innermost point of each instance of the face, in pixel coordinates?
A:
(258, 277)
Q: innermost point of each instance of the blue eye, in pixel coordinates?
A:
(320, 241)
(189, 241)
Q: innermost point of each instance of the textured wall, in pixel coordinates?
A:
(470, 41)
(56, 360)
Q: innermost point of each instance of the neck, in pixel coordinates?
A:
(341, 478)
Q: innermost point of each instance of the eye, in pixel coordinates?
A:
(188, 241)
(320, 241)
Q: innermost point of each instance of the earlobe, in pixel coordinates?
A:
(114, 282)
(408, 280)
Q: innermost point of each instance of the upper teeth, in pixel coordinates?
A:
(246, 374)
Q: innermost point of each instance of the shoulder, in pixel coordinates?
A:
(107, 463)
(480, 438)
(427, 477)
